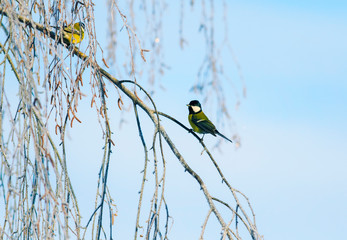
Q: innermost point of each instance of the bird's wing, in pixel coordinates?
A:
(68, 29)
(202, 122)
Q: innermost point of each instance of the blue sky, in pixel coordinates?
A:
(293, 120)
(292, 162)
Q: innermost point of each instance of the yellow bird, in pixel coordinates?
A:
(74, 33)
(199, 122)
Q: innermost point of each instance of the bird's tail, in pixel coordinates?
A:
(223, 136)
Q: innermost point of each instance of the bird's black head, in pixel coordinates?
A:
(195, 103)
(194, 107)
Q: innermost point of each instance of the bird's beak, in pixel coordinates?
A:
(188, 105)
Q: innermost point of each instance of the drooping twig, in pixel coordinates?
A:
(205, 224)
(108, 142)
(144, 171)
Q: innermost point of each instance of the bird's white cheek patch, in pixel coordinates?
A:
(196, 108)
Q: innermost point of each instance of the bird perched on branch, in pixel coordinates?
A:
(199, 122)
(74, 33)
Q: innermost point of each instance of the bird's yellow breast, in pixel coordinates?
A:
(77, 38)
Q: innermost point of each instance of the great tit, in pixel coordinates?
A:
(199, 122)
(74, 33)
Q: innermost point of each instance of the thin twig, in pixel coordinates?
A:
(205, 224)
(144, 170)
